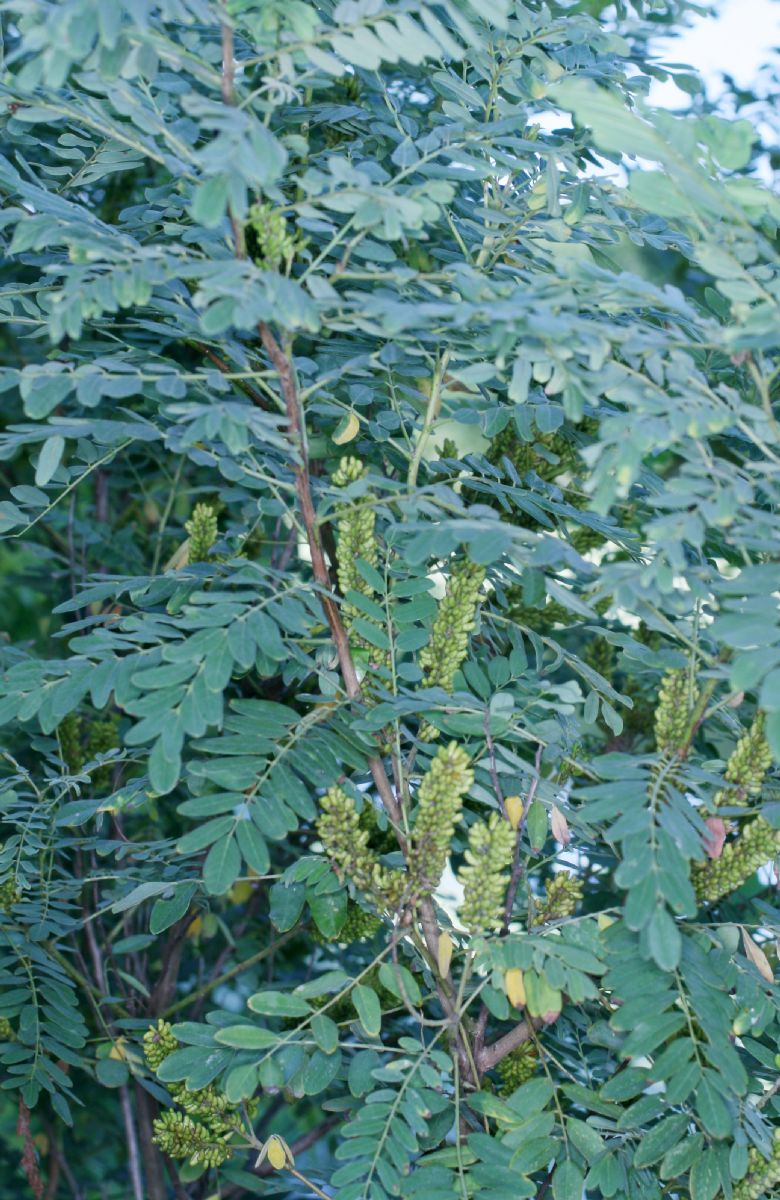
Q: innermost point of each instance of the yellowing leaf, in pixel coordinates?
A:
(757, 957)
(559, 826)
(514, 810)
(276, 1152)
(604, 921)
(118, 1049)
(444, 954)
(240, 892)
(348, 429)
(515, 987)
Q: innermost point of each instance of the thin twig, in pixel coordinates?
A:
(133, 1154)
(517, 864)
(431, 416)
(228, 82)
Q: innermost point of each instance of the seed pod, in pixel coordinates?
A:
(484, 879)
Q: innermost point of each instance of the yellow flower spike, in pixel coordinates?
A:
(278, 1153)
(514, 810)
(444, 954)
(515, 987)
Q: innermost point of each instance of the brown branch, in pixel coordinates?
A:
(228, 84)
(256, 397)
(489, 1056)
(284, 370)
(29, 1163)
(517, 866)
(133, 1154)
(146, 1107)
(62, 1164)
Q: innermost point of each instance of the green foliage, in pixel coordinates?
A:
(390, 684)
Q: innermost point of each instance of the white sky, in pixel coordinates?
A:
(739, 39)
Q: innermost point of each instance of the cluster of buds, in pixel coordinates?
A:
(583, 539)
(159, 1042)
(179, 1136)
(346, 846)
(269, 240)
(202, 531)
(6, 1030)
(489, 853)
(747, 766)
(763, 1174)
(600, 655)
(9, 894)
(518, 1067)
(564, 893)
(673, 711)
(358, 926)
(71, 750)
(76, 749)
(454, 622)
(440, 798)
(356, 538)
(526, 456)
(201, 1132)
(756, 844)
(540, 619)
(455, 619)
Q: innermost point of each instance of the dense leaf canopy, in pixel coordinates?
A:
(391, 556)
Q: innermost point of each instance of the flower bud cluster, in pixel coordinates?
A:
(159, 1042)
(179, 1136)
(6, 1030)
(202, 1131)
(270, 242)
(673, 710)
(518, 1067)
(756, 844)
(202, 530)
(454, 622)
(356, 538)
(9, 894)
(564, 893)
(75, 750)
(484, 880)
(439, 798)
(747, 766)
(69, 734)
(358, 926)
(346, 846)
(763, 1174)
